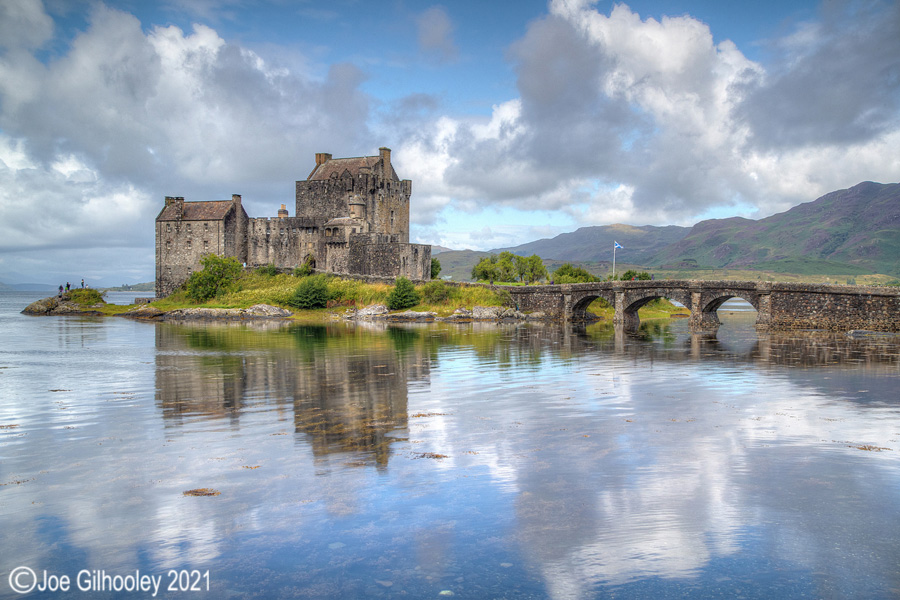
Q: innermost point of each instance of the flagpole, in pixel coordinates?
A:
(615, 245)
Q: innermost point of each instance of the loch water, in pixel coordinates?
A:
(429, 461)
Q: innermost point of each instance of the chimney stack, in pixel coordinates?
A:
(282, 212)
(386, 161)
(322, 158)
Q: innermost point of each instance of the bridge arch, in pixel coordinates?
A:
(712, 305)
(581, 301)
(630, 301)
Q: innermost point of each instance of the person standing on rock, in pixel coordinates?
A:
(60, 290)
(67, 286)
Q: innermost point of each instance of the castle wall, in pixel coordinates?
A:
(337, 257)
(179, 247)
(284, 242)
(412, 261)
(387, 201)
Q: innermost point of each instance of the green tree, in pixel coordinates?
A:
(486, 269)
(632, 274)
(435, 268)
(404, 295)
(506, 267)
(311, 292)
(219, 274)
(568, 273)
(530, 269)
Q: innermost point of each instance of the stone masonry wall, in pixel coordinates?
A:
(799, 306)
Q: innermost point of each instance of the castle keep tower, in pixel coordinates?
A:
(352, 217)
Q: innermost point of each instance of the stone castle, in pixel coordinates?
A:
(352, 217)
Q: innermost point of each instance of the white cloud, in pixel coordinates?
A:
(24, 24)
(95, 137)
(676, 124)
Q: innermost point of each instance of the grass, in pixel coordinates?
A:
(259, 288)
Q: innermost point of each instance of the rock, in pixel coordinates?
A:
(56, 306)
(41, 307)
(258, 311)
(411, 315)
(486, 312)
(145, 312)
(267, 311)
(372, 311)
(536, 316)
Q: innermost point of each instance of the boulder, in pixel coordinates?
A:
(372, 311)
(267, 311)
(487, 312)
(411, 315)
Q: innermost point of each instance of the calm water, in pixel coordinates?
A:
(478, 461)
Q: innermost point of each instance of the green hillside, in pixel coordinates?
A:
(847, 232)
(594, 244)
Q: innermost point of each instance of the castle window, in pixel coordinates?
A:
(206, 227)
(188, 227)
(189, 243)
(168, 228)
(168, 245)
(205, 244)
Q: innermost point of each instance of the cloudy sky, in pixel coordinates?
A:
(515, 120)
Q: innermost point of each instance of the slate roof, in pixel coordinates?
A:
(214, 210)
(336, 167)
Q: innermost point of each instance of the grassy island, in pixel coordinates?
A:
(222, 284)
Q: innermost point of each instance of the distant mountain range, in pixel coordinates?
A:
(857, 227)
(847, 232)
(26, 287)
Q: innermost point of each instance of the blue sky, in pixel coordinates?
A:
(514, 120)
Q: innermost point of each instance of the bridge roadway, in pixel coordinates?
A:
(778, 305)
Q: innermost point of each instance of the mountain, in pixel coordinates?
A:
(846, 232)
(26, 287)
(593, 244)
(856, 230)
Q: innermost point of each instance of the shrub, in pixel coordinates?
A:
(268, 269)
(568, 273)
(312, 292)
(632, 274)
(435, 292)
(86, 296)
(404, 295)
(435, 268)
(219, 274)
(304, 269)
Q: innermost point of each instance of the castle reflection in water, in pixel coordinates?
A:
(346, 387)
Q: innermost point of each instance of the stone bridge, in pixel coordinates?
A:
(778, 305)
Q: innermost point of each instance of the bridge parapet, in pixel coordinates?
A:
(778, 305)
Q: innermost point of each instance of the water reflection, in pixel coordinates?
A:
(348, 392)
(489, 460)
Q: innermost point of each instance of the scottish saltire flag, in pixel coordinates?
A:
(617, 244)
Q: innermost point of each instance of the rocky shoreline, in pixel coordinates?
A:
(55, 306)
(379, 312)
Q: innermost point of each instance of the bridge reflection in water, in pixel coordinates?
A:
(778, 305)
